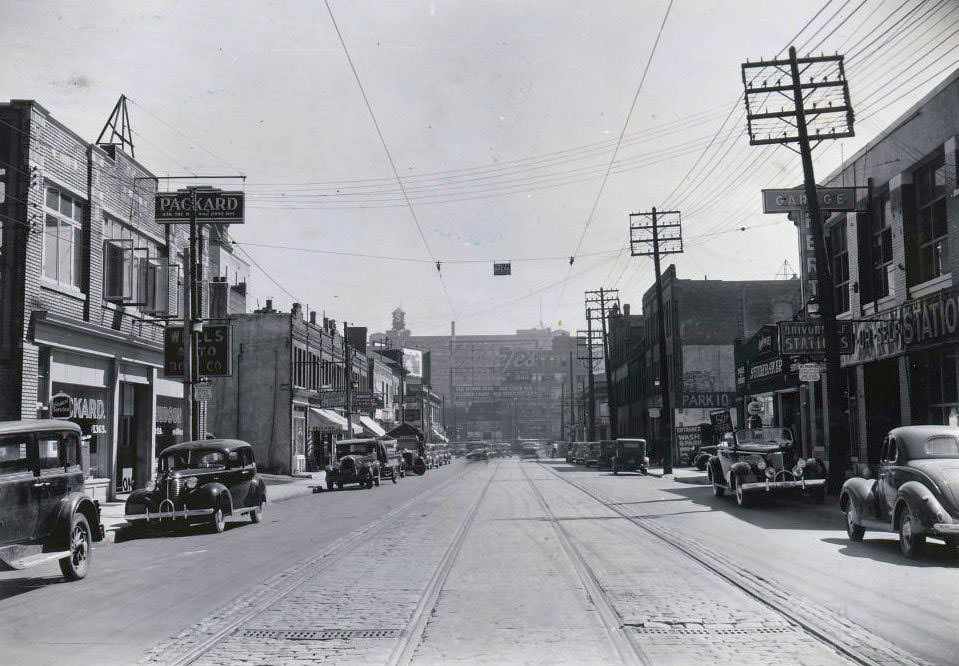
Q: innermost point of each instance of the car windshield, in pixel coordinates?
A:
(192, 459)
(631, 445)
(764, 436)
(941, 446)
(361, 449)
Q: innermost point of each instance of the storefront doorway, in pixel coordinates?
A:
(883, 411)
(127, 444)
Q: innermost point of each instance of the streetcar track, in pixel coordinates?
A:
(825, 632)
(412, 636)
(304, 571)
(630, 652)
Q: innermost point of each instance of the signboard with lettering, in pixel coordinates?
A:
(212, 206)
(809, 372)
(687, 439)
(654, 412)
(721, 420)
(332, 398)
(214, 351)
(707, 399)
(504, 268)
(830, 199)
(798, 338)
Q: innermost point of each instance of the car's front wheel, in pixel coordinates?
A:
(76, 565)
(256, 515)
(217, 520)
(743, 498)
(912, 541)
(718, 490)
(854, 530)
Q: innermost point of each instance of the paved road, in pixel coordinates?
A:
(499, 563)
(142, 591)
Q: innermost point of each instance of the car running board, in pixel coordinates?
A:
(873, 524)
(33, 560)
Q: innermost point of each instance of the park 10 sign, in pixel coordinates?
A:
(830, 198)
(209, 206)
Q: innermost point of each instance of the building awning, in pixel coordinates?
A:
(375, 428)
(334, 422)
(440, 437)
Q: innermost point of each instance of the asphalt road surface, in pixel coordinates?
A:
(498, 563)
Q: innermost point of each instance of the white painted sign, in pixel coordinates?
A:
(809, 372)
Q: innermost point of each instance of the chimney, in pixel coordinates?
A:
(297, 310)
(313, 317)
(269, 305)
(626, 309)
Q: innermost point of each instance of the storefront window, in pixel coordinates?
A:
(87, 406)
(935, 386)
(168, 426)
(839, 264)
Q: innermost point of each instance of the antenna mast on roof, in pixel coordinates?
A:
(119, 127)
(786, 271)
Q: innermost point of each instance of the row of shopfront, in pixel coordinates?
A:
(902, 369)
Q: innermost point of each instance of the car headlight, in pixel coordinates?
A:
(191, 482)
(800, 463)
(770, 473)
(797, 470)
(811, 461)
(761, 465)
(646, 460)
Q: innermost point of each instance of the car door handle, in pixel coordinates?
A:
(41, 484)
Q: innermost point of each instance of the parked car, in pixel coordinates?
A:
(201, 481)
(579, 453)
(607, 449)
(529, 452)
(391, 462)
(629, 455)
(916, 493)
(429, 456)
(764, 460)
(570, 452)
(478, 454)
(357, 461)
(699, 457)
(45, 515)
(413, 462)
(592, 454)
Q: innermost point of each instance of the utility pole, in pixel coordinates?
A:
(821, 104)
(452, 387)
(649, 236)
(572, 406)
(348, 366)
(189, 319)
(590, 359)
(562, 410)
(608, 300)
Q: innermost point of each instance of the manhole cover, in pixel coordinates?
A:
(734, 631)
(319, 634)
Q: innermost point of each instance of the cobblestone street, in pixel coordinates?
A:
(513, 562)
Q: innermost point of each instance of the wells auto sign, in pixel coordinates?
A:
(211, 207)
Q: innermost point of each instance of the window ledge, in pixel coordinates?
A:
(931, 286)
(875, 307)
(47, 283)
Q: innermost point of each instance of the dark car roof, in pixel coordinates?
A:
(914, 437)
(206, 444)
(34, 425)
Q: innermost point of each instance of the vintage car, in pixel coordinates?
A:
(357, 461)
(478, 454)
(629, 455)
(916, 492)
(699, 457)
(413, 462)
(764, 460)
(391, 460)
(45, 516)
(529, 452)
(580, 449)
(200, 481)
(592, 453)
(607, 449)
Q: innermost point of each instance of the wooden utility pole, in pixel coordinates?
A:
(348, 372)
(820, 104)
(572, 406)
(650, 236)
(606, 299)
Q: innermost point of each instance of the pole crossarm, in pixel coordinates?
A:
(659, 228)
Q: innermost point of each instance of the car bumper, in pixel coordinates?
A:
(769, 486)
(174, 514)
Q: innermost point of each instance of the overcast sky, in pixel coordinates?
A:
(500, 116)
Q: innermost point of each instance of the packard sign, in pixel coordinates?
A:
(830, 199)
(707, 399)
(205, 206)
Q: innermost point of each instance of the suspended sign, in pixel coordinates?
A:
(505, 268)
(809, 372)
(214, 351)
(209, 206)
(797, 338)
(830, 198)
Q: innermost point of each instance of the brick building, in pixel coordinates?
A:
(86, 277)
(895, 265)
(703, 318)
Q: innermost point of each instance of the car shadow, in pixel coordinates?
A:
(779, 513)
(887, 550)
(140, 533)
(12, 587)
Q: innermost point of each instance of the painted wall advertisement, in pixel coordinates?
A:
(687, 439)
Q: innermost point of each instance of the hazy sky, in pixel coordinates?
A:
(501, 116)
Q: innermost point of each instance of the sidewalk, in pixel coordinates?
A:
(278, 489)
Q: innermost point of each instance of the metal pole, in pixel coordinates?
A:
(572, 393)
(348, 361)
(663, 364)
(838, 452)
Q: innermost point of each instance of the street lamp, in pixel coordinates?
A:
(812, 306)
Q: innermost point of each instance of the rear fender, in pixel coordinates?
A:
(716, 471)
(259, 489)
(921, 501)
(209, 496)
(69, 506)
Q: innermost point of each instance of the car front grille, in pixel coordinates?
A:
(174, 486)
(775, 460)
